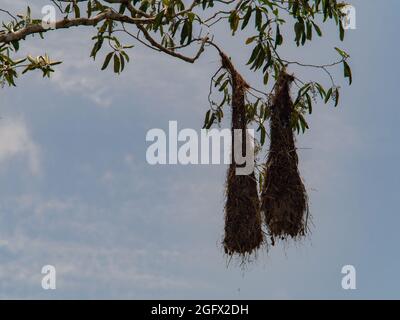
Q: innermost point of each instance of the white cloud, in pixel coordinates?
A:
(80, 262)
(52, 205)
(92, 268)
(16, 142)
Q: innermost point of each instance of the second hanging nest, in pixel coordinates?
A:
(284, 197)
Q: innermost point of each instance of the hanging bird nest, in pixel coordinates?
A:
(243, 231)
(284, 197)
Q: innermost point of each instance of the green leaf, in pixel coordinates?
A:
(328, 95)
(77, 11)
(309, 31)
(317, 28)
(303, 123)
(15, 45)
(342, 53)
(279, 38)
(107, 60)
(336, 97)
(258, 18)
(247, 17)
(254, 53)
(117, 64)
(263, 135)
(89, 9)
(217, 82)
(234, 21)
(299, 31)
(125, 55)
(223, 86)
(321, 90)
(347, 72)
(207, 119)
(266, 77)
(309, 102)
(251, 39)
(121, 58)
(341, 31)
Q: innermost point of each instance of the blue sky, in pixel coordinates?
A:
(76, 191)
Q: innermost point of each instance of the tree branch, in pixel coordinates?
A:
(67, 23)
(160, 47)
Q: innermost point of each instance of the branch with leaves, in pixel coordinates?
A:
(169, 26)
(173, 28)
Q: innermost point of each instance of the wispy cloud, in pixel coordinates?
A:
(16, 142)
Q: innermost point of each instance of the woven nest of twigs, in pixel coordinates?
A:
(284, 198)
(243, 232)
